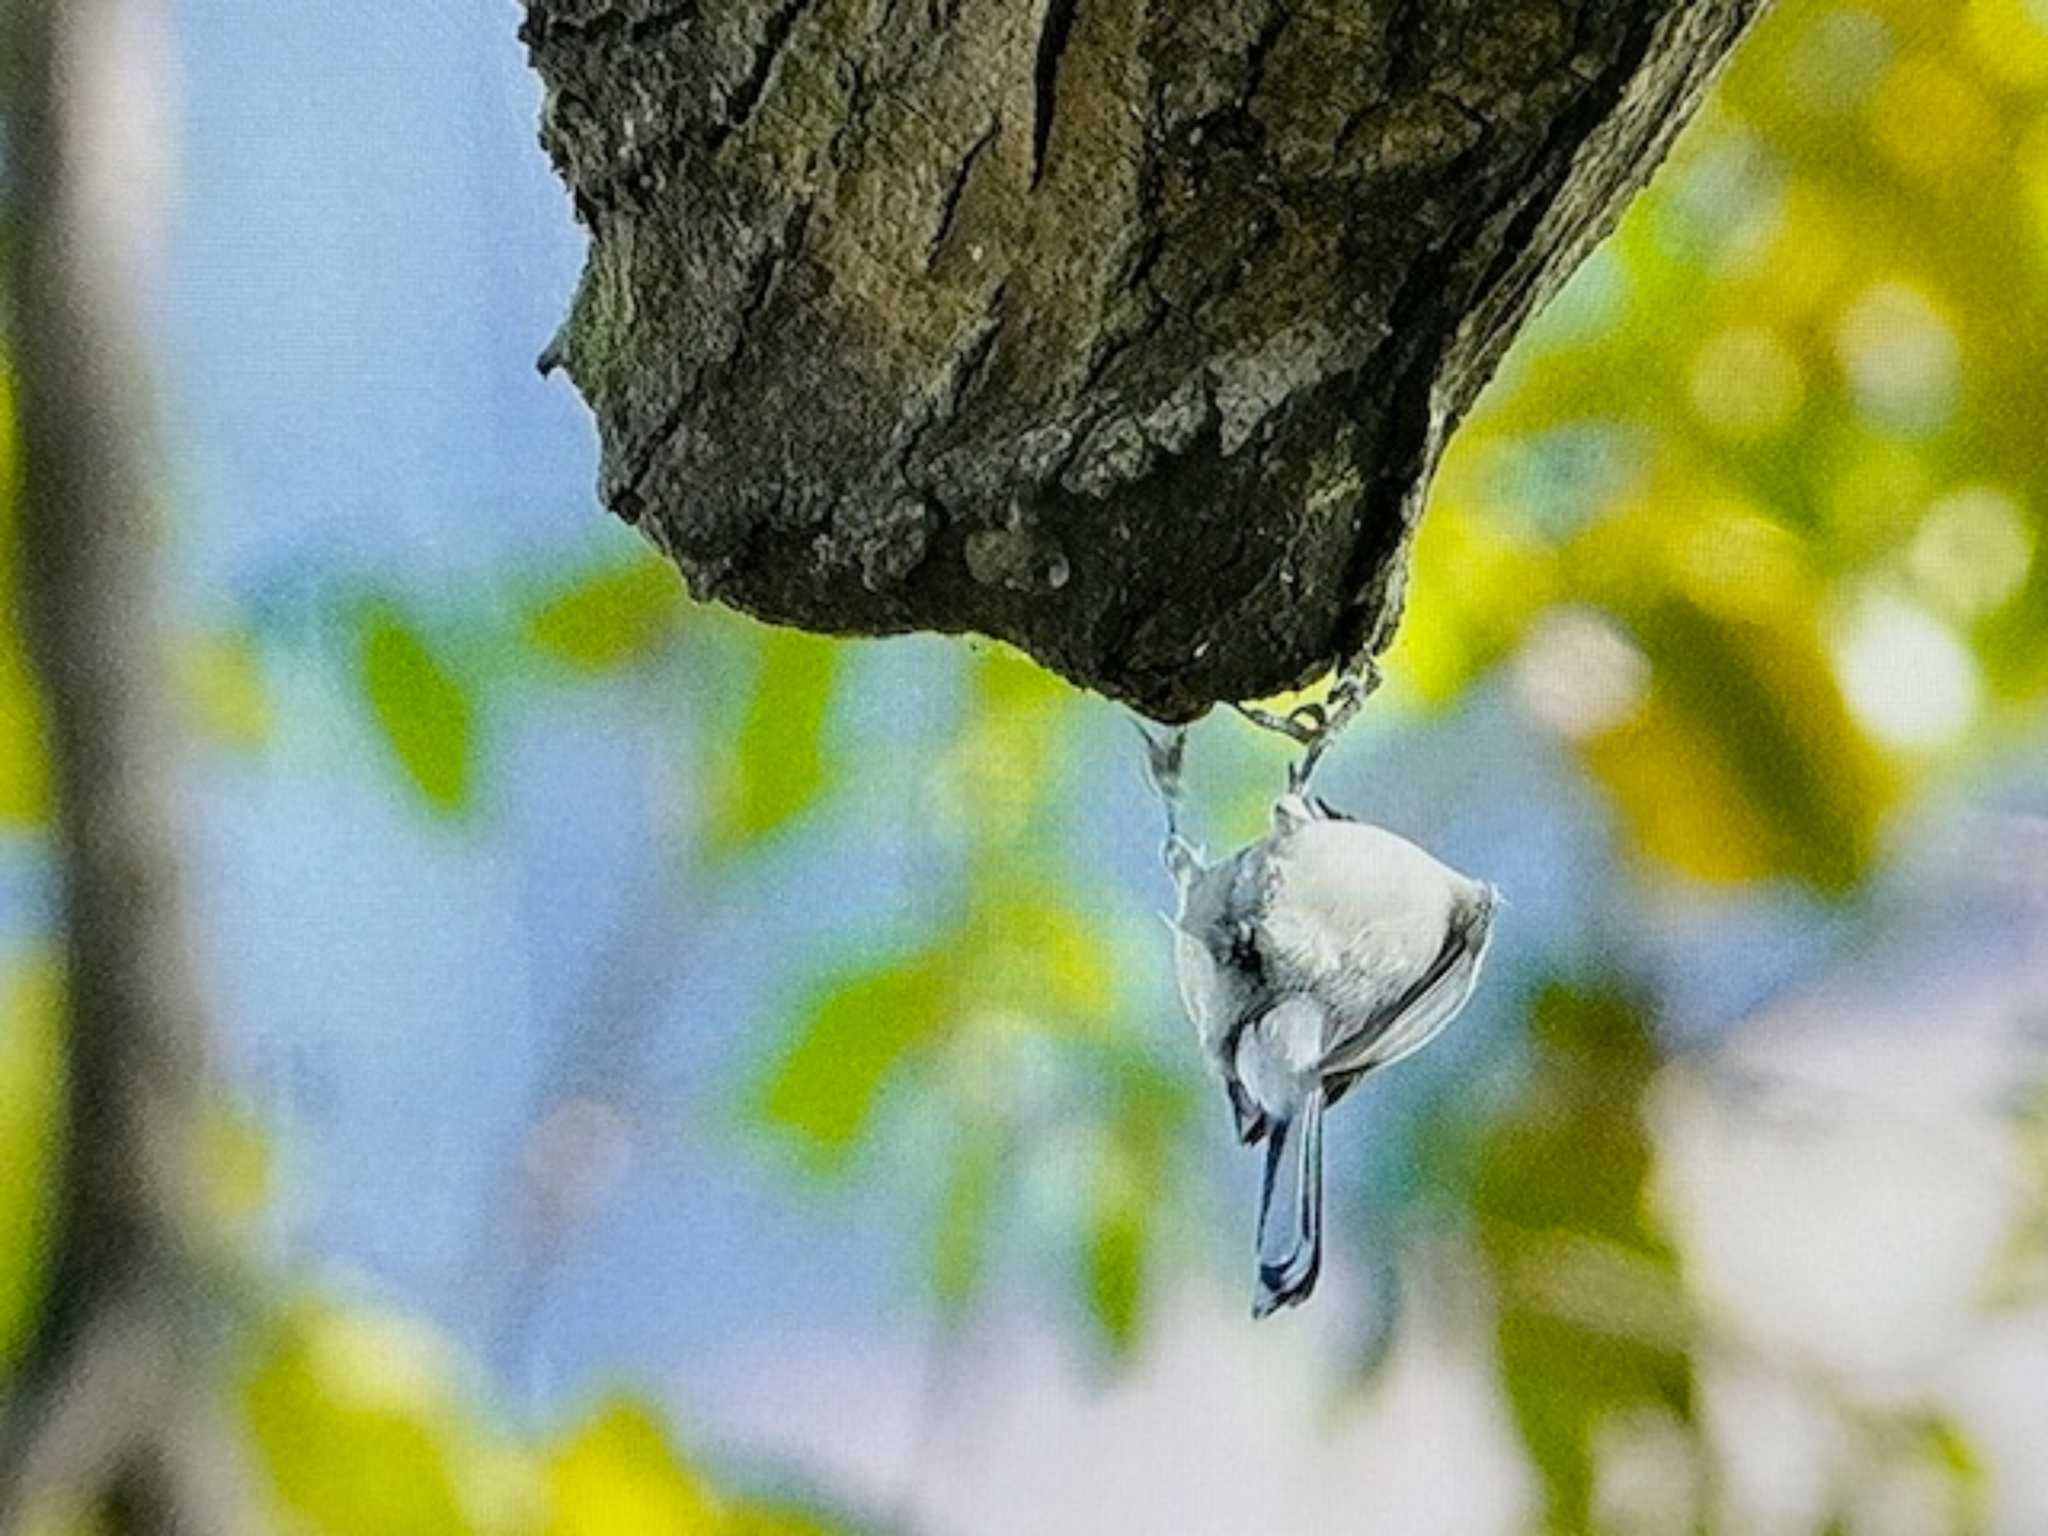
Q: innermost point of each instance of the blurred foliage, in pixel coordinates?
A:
(31, 1066)
(823, 1088)
(355, 1421)
(1123, 1203)
(24, 772)
(31, 1092)
(361, 1429)
(425, 713)
(1591, 1327)
(1751, 521)
(1020, 986)
(967, 1206)
(776, 767)
(1755, 508)
(616, 1475)
(607, 618)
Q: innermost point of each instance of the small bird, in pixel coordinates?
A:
(1325, 950)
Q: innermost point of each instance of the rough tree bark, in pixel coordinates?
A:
(1126, 331)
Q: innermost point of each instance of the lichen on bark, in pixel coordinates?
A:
(1127, 332)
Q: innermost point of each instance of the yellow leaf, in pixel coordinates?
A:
(1028, 952)
(1680, 802)
(1933, 125)
(2008, 40)
(1473, 590)
(1743, 762)
(618, 1476)
(352, 1417)
(607, 618)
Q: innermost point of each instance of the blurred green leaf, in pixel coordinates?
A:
(1004, 678)
(31, 1106)
(352, 1418)
(617, 1475)
(423, 711)
(856, 1029)
(960, 1238)
(1119, 1230)
(1129, 1188)
(1008, 751)
(1486, 584)
(1682, 803)
(776, 768)
(1591, 1320)
(607, 618)
(24, 765)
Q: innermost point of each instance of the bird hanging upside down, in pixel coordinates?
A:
(1323, 951)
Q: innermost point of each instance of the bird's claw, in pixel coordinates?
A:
(1314, 725)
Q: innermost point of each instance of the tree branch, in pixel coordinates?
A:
(112, 1409)
(1127, 332)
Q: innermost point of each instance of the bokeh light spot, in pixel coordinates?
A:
(1910, 682)
(1899, 357)
(1833, 68)
(1746, 383)
(1972, 550)
(1578, 675)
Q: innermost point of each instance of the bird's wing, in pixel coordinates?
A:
(1413, 1019)
(1218, 1013)
(1201, 985)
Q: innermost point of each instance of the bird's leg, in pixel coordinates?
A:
(1314, 726)
(1164, 755)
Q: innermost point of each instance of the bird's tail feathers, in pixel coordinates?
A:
(1291, 1209)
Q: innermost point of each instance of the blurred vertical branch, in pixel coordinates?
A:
(110, 1412)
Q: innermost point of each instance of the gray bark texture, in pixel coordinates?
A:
(1129, 332)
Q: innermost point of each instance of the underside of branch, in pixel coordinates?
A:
(1127, 332)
